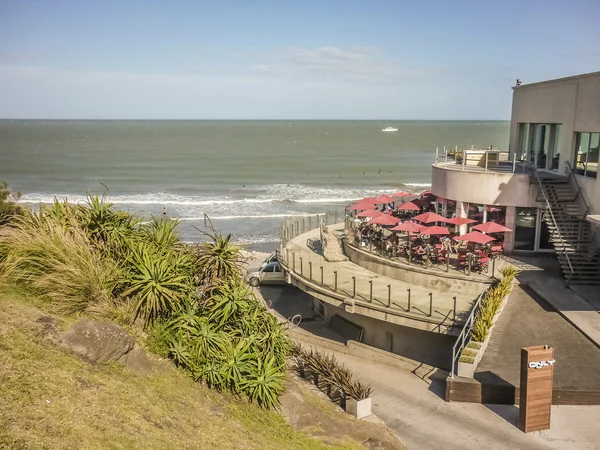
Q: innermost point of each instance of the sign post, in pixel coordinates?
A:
(537, 378)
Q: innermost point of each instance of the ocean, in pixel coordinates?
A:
(245, 175)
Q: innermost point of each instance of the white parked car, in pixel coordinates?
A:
(270, 273)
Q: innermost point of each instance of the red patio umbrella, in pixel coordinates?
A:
(408, 206)
(460, 221)
(369, 213)
(361, 205)
(476, 237)
(434, 230)
(402, 194)
(384, 219)
(428, 191)
(429, 217)
(409, 227)
(383, 199)
(491, 227)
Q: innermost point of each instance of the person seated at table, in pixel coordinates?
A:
(424, 251)
(447, 245)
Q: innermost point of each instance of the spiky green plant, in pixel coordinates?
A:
(155, 282)
(219, 259)
(265, 382)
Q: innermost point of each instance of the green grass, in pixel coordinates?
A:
(51, 399)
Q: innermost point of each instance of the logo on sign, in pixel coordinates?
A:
(540, 364)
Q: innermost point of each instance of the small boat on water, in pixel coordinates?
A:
(388, 129)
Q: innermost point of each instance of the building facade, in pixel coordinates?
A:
(554, 132)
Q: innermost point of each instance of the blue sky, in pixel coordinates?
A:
(327, 59)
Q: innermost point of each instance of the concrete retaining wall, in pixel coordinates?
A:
(434, 349)
(440, 281)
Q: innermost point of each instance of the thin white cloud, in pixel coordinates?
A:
(359, 64)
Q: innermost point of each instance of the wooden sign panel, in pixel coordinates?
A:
(537, 378)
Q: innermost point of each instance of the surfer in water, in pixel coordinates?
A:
(164, 211)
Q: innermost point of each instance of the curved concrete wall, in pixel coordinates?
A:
(414, 275)
(484, 188)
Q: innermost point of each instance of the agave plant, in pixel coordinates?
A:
(219, 259)
(162, 233)
(155, 282)
(265, 383)
(230, 299)
(237, 364)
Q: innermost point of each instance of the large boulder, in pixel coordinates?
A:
(104, 342)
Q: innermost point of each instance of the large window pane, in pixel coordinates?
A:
(592, 165)
(555, 149)
(475, 213)
(496, 214)
(581, 156)
(525, 228)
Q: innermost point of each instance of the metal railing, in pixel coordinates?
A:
(294, 226)
(456, 160)
(579, 197)
(464, 336)
(555, 225)
(369, 292)
(308, 264)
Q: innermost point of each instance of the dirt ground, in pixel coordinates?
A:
(309, 410)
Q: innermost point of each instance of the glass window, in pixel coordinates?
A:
(586, 158)
(496, 214)
(475, 213)
(555, 149)
(450, 209)
(277, 269)
(523, 140)
(268, 269)
(525, 222)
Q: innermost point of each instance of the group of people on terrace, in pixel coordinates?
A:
(376, 221)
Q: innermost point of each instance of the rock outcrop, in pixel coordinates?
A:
(104, 342)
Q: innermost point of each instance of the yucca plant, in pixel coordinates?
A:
(219, 259)
(155, 282)
(229, 300)
(162, 233)
(210, 371)
(265, 382)
(237, 364)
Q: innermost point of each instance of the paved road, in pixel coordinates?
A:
(416, 412)
(528, 320)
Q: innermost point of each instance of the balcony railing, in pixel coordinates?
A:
(480, 160)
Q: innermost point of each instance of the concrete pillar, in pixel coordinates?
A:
(509, 238)
(462, 210)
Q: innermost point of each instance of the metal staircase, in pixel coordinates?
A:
(571, 234)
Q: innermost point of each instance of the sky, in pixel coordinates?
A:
(309, 59)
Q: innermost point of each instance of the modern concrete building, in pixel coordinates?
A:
(545, 187)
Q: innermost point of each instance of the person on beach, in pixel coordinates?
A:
(164, 211)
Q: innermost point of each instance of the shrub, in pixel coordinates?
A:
(467, 352)
(8, 206)
(475, 345)
(331, 372)
(490, 305)
(467, 359)
(156, 283)
(58, 263)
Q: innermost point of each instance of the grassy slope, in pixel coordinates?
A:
(51, 399)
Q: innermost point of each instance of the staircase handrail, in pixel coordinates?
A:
(554, 222)
(579, 193)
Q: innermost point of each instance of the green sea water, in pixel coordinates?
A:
(246, 175)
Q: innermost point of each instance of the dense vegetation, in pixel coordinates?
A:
(491, 303)
(192, 301)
